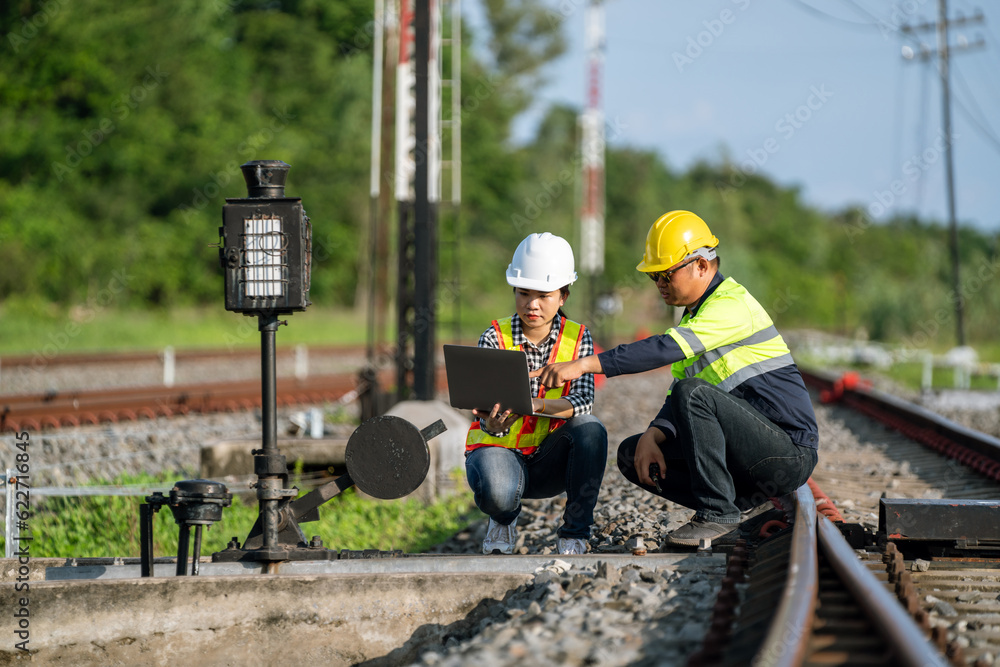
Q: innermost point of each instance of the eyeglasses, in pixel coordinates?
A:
(656, 275)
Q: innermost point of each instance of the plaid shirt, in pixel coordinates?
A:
(582, 394)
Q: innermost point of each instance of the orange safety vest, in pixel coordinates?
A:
(527, 433)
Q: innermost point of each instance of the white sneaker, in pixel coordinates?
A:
(570, 546)
(500, 537)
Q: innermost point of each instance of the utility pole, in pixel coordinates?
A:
(386, 155)
(592, 154)
(425, 213)
(418, 191)
(385, 53)
(943, 53)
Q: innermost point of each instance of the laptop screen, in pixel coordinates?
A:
(480, 377)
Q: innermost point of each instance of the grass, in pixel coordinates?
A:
(97, 526)
(29, 329)
(911, 376)
(52, 332)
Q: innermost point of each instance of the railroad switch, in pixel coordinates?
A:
(193, 502)
(856, 535)
(387, 457)
(944, 527)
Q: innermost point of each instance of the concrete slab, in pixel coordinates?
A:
(408, 564)
(226, 620)
(11, 569)
(232, 457)
(339, 612)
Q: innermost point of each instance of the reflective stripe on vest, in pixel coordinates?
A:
(729, 340)
(528, 431)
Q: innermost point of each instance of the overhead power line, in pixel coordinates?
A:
(982, 123)
(815, 11)
(943, 53)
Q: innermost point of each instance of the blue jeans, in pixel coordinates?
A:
(726, 457)
(571, 459)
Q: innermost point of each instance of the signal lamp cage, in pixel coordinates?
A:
(266, 245)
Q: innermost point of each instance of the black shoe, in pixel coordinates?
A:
(695, 530)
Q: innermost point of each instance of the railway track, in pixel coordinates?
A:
(57, 409)
(807, 593)
(248, 355)
(69, 407)
(922, 589)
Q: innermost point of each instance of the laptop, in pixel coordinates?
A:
(480, 377)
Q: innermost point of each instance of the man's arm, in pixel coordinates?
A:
(657, 351)
(561, 372)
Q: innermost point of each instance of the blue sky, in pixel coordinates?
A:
(817, 91)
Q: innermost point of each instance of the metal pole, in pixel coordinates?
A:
(145, 540)
(385, 211)
(169, 366)
(301, 362)
(376, 147)
(456, 108)
(456, 155)
(424, 240)
(942, 32)
(196, 556)
(182, 549)
(375, 178)
(268, 325)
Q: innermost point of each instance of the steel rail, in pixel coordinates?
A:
(976, 450)
(903, 635)
(76, 397)
(206, 354)
(787, 637)
(73, 408)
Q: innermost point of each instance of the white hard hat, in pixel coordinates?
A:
(542, 262)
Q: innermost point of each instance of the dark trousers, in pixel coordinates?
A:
(726, 457)
(570, 459)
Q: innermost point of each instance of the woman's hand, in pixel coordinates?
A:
(496, 421)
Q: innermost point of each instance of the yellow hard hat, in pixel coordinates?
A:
(674, 236)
